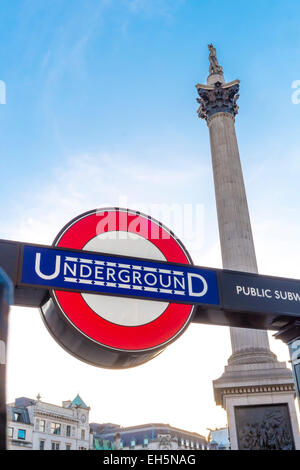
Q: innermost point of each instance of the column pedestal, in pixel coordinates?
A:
(263, 394)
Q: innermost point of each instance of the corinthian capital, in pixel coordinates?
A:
(218, 98)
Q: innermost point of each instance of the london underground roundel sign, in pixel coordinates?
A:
(109, 330)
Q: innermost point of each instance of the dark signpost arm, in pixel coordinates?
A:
(6, 299)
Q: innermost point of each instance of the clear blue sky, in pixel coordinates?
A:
(92, 75)
(101, 103)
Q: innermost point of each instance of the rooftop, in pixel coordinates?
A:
(104, 434)
(78, 403)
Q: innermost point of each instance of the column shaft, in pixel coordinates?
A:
(237, 246)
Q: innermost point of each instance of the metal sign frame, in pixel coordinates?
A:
(255, 313)
(230, 311)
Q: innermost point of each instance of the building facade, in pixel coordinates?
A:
(153, 436)
(37, 425)
(19, 428)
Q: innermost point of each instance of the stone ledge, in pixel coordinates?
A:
(220, 393)
(251, 356)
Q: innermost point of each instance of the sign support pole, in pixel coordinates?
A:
(290, 335)
(6, 290)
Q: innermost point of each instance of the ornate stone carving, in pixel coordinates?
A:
(264, 428)
(217, 99)
(164, 441)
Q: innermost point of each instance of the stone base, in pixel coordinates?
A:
(254, 356)
(214, 78)
(253, 385)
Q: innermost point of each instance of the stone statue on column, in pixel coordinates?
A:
(214, 67)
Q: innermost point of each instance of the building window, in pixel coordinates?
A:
(10, 432)
(68, 433)
(82, 434)
(132, 444)
(68, 446)
(42, 445)
(146, 442)
(55, 428)
(21, 434)
(55, 445)
(42, 425)
(17, 416)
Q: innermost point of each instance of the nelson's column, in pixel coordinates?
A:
(255, 389)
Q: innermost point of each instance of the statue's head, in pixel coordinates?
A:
(210, 46)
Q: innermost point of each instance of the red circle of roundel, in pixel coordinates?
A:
(129, 338)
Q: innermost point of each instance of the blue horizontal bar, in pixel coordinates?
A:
(82, 271)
